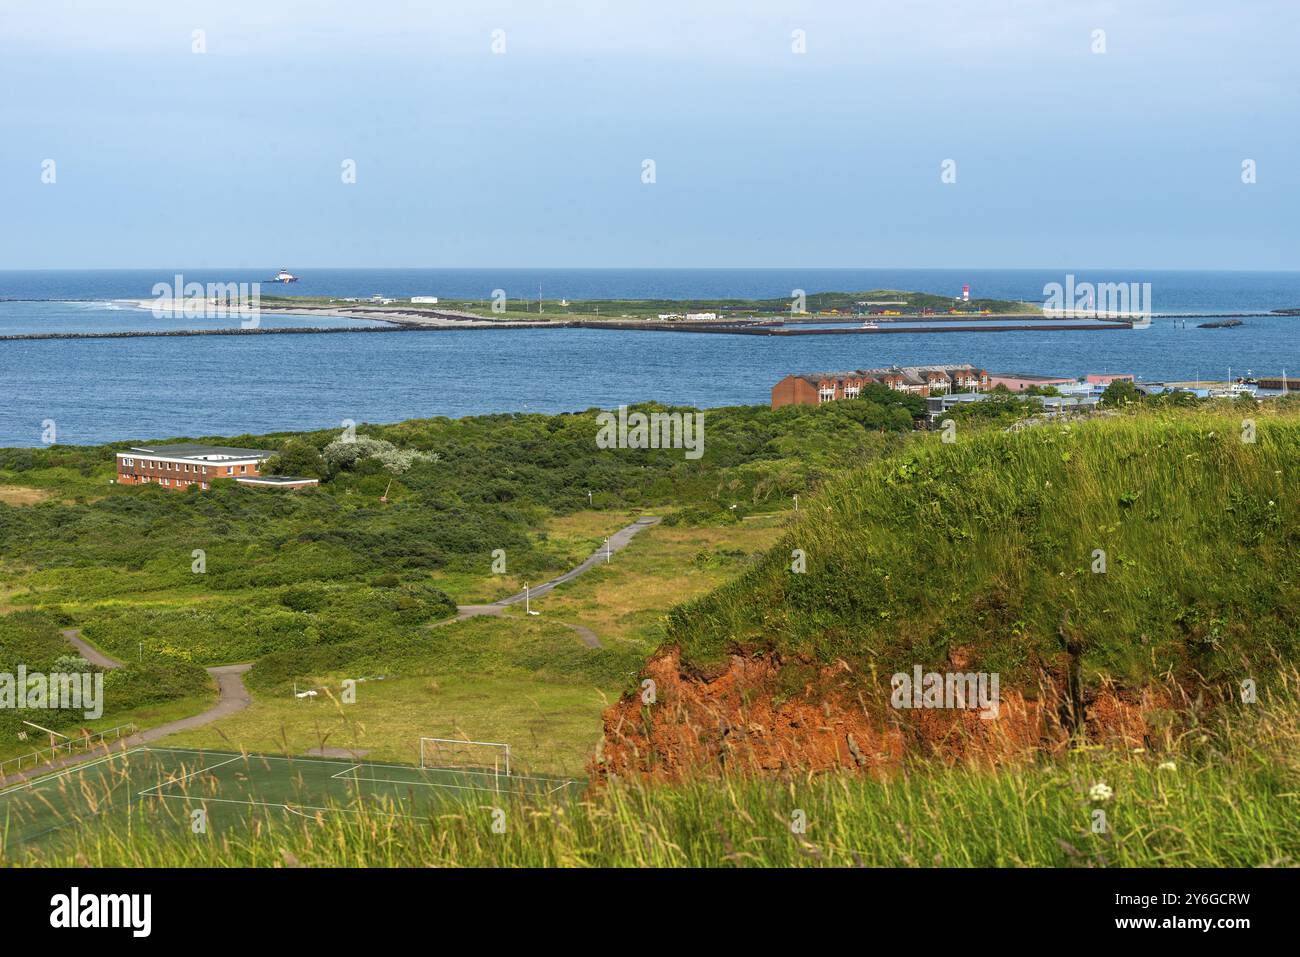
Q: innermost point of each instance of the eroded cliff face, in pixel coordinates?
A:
(760, 714)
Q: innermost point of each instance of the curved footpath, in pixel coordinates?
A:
(617, 542)
(233, 696)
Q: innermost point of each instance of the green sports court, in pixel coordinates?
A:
(168, 785)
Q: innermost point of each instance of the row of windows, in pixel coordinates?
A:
(145, 480)
(174, 467)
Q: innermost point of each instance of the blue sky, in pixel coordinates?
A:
(1065, 158)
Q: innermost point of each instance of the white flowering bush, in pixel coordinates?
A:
(340, 455)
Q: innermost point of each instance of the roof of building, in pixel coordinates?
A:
(276, 480)
(1031, 376)
(198, 452)
(915, 373)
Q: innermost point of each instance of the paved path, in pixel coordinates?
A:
(617, 542)
(232, 697)
(88, 651)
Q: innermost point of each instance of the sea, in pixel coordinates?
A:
(92, 391)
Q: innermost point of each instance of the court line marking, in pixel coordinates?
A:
(186, 777)
(424, 784)
(156, 793)
(65, 772)
(286, 807)
(256, 756)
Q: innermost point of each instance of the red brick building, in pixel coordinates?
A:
(180, 466)
(814, 388)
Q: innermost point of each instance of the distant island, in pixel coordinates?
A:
(813, 307)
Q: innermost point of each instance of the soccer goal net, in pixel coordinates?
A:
(464, 755)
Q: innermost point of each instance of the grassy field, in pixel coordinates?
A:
(627, 598)
(526, 680)
(530, 683)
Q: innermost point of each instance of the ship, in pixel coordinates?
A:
(284, 276)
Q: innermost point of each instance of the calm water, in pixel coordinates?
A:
(103, 390)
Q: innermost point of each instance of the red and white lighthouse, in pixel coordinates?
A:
(965, 292)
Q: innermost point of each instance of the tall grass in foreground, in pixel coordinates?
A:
(1225, 795)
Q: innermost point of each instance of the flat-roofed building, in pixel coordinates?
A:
(181, 466)
(1020, 381)
(1106, 378)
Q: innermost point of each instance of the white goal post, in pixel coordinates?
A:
(461, 755)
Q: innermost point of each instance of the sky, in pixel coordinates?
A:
(812, 134)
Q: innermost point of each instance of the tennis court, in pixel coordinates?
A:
(230, 788)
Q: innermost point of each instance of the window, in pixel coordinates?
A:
(127, 463)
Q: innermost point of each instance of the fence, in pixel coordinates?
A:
(47, 756)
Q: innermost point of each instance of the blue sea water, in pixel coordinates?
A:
(111, 390)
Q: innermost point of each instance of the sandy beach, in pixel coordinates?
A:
(208, 307)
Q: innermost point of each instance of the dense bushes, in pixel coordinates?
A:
(232, 573)
(545, 651)
(243, 628)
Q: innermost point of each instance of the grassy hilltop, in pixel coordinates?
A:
(990, 543)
